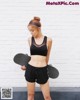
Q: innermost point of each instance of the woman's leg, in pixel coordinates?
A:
(46, 90)
(31, 89)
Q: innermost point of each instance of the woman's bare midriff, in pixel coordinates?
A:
(38, 61)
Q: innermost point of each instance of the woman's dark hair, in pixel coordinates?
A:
(35, 21)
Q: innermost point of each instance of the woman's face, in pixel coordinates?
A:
(34, 30)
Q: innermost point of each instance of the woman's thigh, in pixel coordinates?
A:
(45, 89)
(30, 87)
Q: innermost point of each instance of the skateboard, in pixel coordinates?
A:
(23, 59)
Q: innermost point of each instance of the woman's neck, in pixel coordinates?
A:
(39, 35)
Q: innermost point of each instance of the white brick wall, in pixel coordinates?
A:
(59, 22)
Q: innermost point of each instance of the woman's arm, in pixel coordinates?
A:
(24, 67)
(49, 40)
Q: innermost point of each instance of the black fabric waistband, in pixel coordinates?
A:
(29, 65)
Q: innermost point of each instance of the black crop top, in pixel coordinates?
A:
(36, 49)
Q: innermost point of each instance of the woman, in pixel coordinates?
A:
(36, 70)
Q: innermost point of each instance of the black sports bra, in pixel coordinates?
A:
(41, 49)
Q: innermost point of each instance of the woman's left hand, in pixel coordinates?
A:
(23, 67)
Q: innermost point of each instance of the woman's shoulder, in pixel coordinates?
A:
(49, 39)
(29, 40)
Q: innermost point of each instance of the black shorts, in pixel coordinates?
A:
(36, 74)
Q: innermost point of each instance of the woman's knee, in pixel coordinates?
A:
(47, 97)
(30, 96)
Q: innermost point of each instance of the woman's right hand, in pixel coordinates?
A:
(23, 67)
